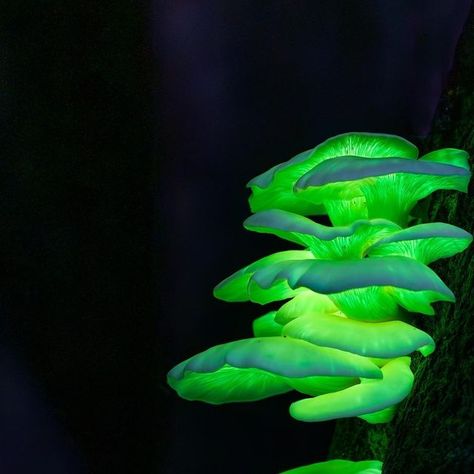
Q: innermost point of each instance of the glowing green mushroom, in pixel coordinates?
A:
(252, 369)
(234, 288)
(369, 289)
(383, 339)
(390, 186)
(306, 303)
(266, 326)
(339, 338)
(274, 188)
(425, 242)
(339, 466)
(367, 397)
(323, 241)
(448, 156)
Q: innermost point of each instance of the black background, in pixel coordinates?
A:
(128, 132)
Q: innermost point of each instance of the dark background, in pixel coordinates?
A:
(128, 132)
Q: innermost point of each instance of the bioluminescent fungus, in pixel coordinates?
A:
(426, 243)
(324, 242)
(274, 188)
(234, 288)
(266, 325)
(344, 335)
(366, 289)
(381, 339)
(252, 369)
(390, 187)
(366, 398)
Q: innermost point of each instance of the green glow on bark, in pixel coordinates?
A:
(343, 336)
(339, 466)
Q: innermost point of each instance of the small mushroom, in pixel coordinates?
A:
(323, 241)
(367, 397)
(425, 242)
(274, 188)
(252, 369)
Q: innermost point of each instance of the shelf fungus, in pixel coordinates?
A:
(389, 187)
(342, 335)
(256, 368)
(425, 243)
(369, 397)
(324, 242)
(274, 188)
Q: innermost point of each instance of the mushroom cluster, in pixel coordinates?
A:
(344, 334)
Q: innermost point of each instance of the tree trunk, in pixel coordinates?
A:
(433, 430)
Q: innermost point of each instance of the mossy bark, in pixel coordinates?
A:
(433, 430)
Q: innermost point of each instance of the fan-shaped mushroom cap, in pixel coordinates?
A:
(323, 241)
(266, 325)
(367, 397)
(386, 339)
(252, 369)
(366, 289)
(234, 287)
(425, 242)
(305, 303)
(339, 466)
(448, 156)
(274, 188)
(390, 186)
(270, 192)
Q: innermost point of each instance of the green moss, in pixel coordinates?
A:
(378, 441)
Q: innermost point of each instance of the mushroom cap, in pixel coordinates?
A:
(367, 289)
(274, 188)
(305, 303)
(390, 186)
(271, 192)
(448, 156)
(323, 241)
(266, 325)
(348, 169)
(256, 368)
(380, 339)
(367, 397)
(234, 287)
(339, 466)
(425, 242)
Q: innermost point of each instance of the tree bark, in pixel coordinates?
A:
(433, 430)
